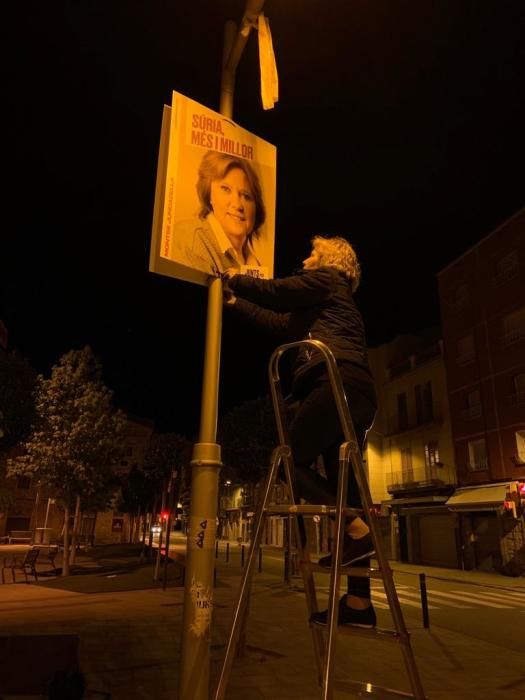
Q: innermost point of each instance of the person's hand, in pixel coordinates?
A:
(229, 273)
(228, 297)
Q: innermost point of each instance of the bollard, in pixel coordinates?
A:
(214, 577)
(242, 556)
(424, 601)
(227, 551)
(260, 560)
(216, 548)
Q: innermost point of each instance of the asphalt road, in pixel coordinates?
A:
(492, 613)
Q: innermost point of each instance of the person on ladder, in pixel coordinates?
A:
(318, 303)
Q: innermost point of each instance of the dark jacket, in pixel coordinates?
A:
(316, 304)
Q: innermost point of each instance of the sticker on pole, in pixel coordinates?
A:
(202, 599)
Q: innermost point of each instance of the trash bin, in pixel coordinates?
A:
(42, 535)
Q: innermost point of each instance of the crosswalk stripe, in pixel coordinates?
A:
(496, 597)
(432, 599)
(405, 602)
(467, 598)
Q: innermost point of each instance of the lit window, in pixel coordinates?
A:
(477, 455)
(520, 446)
(432, 454)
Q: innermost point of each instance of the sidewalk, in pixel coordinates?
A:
(130, 641)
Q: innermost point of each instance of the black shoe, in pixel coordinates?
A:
(347, 616)
(353, 551)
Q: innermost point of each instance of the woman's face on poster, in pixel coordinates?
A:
(233, 203)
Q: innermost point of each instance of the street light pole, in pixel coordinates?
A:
(206, 459)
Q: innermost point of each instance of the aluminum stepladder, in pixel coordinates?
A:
(349, 453)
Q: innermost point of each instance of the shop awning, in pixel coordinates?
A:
(490, 497)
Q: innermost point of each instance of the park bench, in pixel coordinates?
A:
(25, 536)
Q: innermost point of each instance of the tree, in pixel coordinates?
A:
(17, 406)
(166, 459)
(76, 436)
(166, 452)
(248, 436)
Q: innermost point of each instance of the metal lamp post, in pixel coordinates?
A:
(206, 458)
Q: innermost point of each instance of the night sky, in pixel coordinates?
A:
(400, 126)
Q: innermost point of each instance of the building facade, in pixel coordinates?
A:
(482, 302)
(410, 456)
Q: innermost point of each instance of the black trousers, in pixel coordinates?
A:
(315, 429)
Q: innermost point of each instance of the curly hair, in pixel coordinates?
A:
(337, 252)
(215, 166)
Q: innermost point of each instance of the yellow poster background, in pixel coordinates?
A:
(189, 132)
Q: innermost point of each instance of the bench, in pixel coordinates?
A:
(25, 536)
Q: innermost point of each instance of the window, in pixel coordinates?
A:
(418, 389)
(428, 403)
(23, 482)
(424, 403)
(520, 447)
(506, 267)
(460, 297)
(432, 454)
(518, 395)
(466, 350)
(406, 464)
(514, 327)
(477, 455)
(472, 405)
(402, 411)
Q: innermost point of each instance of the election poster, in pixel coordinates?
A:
(215, 196)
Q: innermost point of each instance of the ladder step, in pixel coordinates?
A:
(369, 633)
(358, 571)
(292, 509)
(362, 689)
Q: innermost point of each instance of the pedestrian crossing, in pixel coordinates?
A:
(458, 598)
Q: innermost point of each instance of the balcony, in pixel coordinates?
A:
(478, 465)
(397, 424)
(421, 480)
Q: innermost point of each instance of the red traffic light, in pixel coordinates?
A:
(164, 515)
(522, 489)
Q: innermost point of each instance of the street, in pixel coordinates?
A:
(492, 612)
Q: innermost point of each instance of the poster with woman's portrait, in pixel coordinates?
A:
(215, 196)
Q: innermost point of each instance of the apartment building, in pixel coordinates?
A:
(410, 456)
(482, 301)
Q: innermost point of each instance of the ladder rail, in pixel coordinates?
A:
(278, 454)
(353, 454)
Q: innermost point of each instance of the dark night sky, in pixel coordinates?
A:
(400, 125)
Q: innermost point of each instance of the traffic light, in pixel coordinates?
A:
(164, 515)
